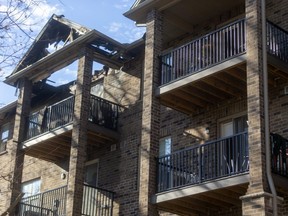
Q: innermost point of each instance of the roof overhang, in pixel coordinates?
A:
(139, 12)
(59, 44)
(11, 107)
(69, 53)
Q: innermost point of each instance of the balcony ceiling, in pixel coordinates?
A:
(181, 15)
(228, 84)
(206, 203)
(180, 18)
(55, 146)
(208, 91)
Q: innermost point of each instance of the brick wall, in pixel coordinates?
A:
(6, 178)
(276, 12)
(174, 123)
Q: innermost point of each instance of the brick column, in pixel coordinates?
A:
(79, 134)
(150, 115)
(257, 200)
(19, 134)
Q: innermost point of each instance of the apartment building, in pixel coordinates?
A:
(189, 120)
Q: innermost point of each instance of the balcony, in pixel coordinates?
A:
(213, 176)
(212, 68)
(50, 129)
(204, 178)
(210, 161)
(96, 201)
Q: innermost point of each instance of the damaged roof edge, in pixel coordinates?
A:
(11, 79)
(58, 18)
(31, 47)
(84, 39)
(74, 25)
(37, 69)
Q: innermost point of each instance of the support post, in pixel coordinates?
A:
(79, 134)
(150, 116)
(19, 134)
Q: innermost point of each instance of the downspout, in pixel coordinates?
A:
(266, 108)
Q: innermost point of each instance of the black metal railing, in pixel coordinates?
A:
(97, 201)
(103, 112)
(52, 202)
(277, 41)
(279, 154)
(215, 159)
(51, 117)
(216, 47)
(204, 52)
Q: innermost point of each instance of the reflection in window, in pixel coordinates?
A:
(31, 188)
(4, 137)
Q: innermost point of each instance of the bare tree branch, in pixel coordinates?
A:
(16, 30)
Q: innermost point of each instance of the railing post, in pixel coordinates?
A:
(41, 203)
(112, 202)
(200, 163)
(49, 118)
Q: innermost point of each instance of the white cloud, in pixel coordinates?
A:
(40, 14)
(61, 81)
(115, 27)
(125, 32)
(70, 72)
(123, 4)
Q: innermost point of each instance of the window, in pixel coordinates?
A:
(165, 146)
(97, 89)
(4, 137)
(165, 168)
(91, 173)
(234, 145)
(233, 126)
(31, 188)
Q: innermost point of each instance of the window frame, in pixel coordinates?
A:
(31, 182)
(88, 163)
(3, 141)
(164, 143)
(94, 84)
(228, 119)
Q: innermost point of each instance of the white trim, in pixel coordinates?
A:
(92, 162)
(200, 188)
(47, 135)
(227, 119)
(200, 75)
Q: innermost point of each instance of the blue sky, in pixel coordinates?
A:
(102, 15)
